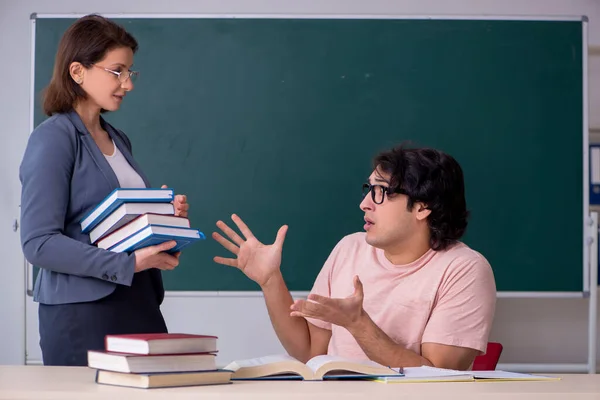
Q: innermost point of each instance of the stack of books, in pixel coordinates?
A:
(158, 360)
(131, 219)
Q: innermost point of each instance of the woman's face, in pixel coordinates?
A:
(105, 88)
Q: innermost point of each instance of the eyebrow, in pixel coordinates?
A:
(120, 65)
(380, 180)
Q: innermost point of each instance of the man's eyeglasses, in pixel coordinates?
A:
(122, 76)
(378, 192)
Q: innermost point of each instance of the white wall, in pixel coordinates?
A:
(532, 331)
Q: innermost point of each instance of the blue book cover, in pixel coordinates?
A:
(120, 196)
(152, 235)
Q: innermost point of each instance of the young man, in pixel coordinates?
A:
(405, 293)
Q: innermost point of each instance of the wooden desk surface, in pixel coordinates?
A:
(64, 383)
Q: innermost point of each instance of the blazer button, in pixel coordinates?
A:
(113, 278)
(104, 276)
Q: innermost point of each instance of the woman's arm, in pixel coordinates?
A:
(45, 175)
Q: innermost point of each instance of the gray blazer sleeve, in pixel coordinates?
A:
(45, 173)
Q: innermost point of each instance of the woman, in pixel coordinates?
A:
(73, 160)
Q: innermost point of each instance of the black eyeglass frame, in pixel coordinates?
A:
(367, 187)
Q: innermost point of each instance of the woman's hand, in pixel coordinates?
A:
(180, 203)
(156, 257)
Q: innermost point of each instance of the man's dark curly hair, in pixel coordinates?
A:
(434, 178)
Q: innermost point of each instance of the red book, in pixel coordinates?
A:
(161, 343)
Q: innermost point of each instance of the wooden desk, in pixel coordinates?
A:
(64, 383)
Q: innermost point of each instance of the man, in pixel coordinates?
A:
(405, 293)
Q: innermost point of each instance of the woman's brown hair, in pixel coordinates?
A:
(86, 41)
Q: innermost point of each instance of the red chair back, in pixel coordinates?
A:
(489, 360)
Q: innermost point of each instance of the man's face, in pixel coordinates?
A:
(390, 223)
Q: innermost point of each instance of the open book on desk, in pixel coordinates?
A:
(432, 374)
(317, 368)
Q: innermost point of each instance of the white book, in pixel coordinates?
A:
(433, 374)
(141, 363)
(429, 374)
(125, 213)
(139, 222)
(120, 196)
(499, 375)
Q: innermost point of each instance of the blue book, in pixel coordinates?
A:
(156, 234)
(119, 197)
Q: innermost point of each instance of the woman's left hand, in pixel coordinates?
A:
(180, 203)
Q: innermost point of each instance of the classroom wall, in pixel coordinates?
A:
(532, 330)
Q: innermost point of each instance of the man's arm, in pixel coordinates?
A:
(300, 339)
(380, 348)
(377, 345)
(261, 263)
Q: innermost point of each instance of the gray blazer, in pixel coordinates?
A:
(64, 175)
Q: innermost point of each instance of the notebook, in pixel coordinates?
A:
(432, 374)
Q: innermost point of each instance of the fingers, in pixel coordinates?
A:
(306, 306)
(230, 232)
(296, 309)
(182, 198)
(159, 248)
(226, 261)
(182, 206)
(226, 243)
(358, 287)
(320, 299)
(300, 314)
(167, 262)
(307, 309)
(242, 226)
(281, 236)
(157, 257)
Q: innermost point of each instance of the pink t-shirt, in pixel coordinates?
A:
(445, 297)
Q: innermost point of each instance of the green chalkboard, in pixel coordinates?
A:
(278, 120)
